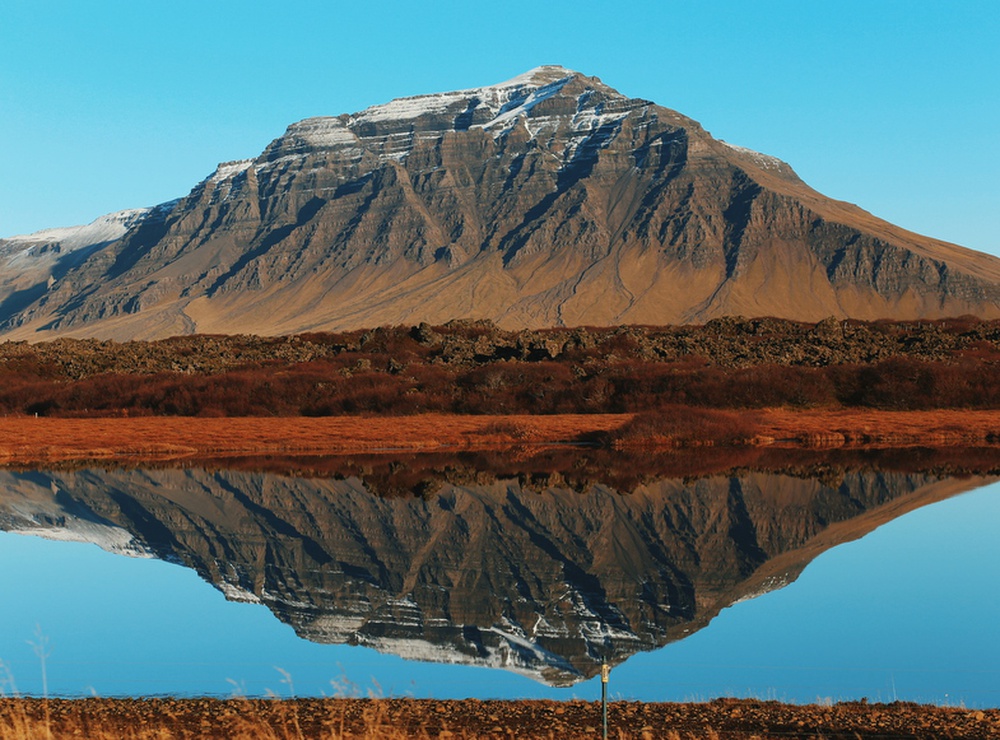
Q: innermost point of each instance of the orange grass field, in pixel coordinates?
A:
(29, 438)
(26, 440)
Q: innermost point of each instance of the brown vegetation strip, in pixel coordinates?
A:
(476, 368)
(28, 439)
(337, 719)
(870, 428)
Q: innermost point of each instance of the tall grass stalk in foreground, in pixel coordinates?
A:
(286, 678)
(7, 685)
(40, 645)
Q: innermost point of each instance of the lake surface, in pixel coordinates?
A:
(457, 579)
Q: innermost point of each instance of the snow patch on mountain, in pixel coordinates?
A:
(765, 161)
(520, 93)
(227, 170)
(511, 653)
(237, 593)
(519, 107)
(112, 539)
(390, 131)
(69, 238)
(772, 583)
(48, 520)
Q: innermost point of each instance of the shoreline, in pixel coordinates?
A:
(393, 719)
(29, 440)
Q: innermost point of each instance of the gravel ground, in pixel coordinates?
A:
(399, 718)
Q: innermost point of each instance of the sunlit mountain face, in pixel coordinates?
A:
(547, 200)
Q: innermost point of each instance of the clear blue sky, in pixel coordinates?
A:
(892, 104)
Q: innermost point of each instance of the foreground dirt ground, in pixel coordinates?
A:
(406, 718)
(29, 440)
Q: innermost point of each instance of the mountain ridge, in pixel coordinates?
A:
(547, 200)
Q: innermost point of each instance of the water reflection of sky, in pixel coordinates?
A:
(907, 612)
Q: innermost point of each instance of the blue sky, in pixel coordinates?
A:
(893, 105)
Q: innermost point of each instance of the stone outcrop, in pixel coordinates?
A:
(731, 342)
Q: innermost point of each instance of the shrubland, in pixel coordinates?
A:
(473, 367)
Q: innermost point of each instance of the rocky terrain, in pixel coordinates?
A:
(547, 200)
(477, 367)
(733, 342)
(395, 719)
(534, 573)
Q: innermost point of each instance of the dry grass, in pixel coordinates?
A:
(686, 426)
(27, 440)
(871, 428)
(393, 719)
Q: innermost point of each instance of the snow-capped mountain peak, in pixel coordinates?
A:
(496, 99)
(390, 130)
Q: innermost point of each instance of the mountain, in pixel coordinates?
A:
(523, 573)
(29, 264)
(547, 200)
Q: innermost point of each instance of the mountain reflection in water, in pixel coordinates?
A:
(547, 573)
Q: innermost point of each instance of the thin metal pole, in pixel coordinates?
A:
(605, 673)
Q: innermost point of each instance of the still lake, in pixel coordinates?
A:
(452, 580)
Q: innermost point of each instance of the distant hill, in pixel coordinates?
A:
(547, 200)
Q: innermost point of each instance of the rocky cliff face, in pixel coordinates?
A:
(548, 200)
(542, 579)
